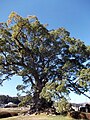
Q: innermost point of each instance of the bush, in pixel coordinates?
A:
(77, 115)
(5, 114)
(62, 106)
(14, 113)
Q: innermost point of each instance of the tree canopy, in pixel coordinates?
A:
(50, 62)
(5, 99)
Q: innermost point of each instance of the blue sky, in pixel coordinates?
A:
(74, 15)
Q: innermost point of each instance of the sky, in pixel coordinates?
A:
(74, 15)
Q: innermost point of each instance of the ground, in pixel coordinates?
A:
(31, 117)
(38, 117)
(24, 116)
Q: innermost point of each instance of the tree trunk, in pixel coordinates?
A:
(41, 105)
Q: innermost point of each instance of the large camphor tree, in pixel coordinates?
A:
(50, 62)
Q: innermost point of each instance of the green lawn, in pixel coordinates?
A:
(38, 117)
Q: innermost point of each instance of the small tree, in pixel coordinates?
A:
(43, 58)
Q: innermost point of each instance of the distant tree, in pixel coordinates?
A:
(5, 99)
(50, 62)
(15, 100)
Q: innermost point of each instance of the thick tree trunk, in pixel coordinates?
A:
(41, 105)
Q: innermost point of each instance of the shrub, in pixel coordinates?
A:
(5, 114)
(14, 113)
(77, 115)
(62, 106)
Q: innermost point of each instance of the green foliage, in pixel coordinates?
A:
(62, 105)
(25, 101)
(84, 78)
(54, 91)
(6, 99)
(49, 61)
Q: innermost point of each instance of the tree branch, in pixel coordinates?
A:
(75, 86)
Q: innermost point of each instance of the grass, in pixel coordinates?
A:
(38, 117)
(31, 117)
(17, 110)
